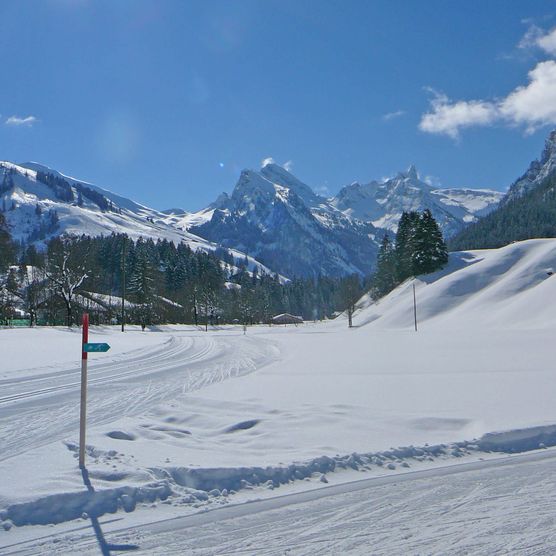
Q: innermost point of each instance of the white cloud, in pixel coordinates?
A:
(529, 106)
(17, 121)
(266, 161)
(532, 106)
(288, 165)
(548, 42)
(535, 37)
(392, 115)
(447, 117)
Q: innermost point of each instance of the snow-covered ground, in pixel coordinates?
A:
(481, 508)
(182, 420)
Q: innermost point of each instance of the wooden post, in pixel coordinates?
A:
(83, 409)
(414, 308)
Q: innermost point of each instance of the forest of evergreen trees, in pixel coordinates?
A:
(531, 216)
(166, 283)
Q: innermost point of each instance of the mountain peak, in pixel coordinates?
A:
(278, 175)
(412, 173)
(538, 170)
(549, 151)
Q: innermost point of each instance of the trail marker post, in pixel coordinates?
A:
(86, 348)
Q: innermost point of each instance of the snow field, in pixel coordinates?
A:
(168, 427)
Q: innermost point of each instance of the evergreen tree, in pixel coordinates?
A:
(385, 278)
(141, 283)
(429, 250)
(7, 248)
(405, 244)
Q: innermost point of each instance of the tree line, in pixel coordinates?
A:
(160, 281)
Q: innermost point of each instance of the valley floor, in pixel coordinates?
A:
(188, 423)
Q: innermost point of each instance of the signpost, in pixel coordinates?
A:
(98, 348)
(86, 348)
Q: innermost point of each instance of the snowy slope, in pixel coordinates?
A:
(507, 287)
(382, 203)
(30, 204)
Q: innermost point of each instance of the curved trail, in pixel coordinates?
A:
(36, 410)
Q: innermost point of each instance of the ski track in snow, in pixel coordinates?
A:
(502, 506)
(37, 409)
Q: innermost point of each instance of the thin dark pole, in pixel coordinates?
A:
(123, 283)
(414, 308)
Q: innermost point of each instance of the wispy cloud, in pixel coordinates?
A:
(393, 115)
(266, 161)
(288, 165)
(536, 37)
(17, 121)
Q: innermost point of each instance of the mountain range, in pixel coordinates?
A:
(281, 221)
(271, 218)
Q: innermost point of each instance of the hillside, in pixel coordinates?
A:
(507, 287)
(40, 203)
(528, 210)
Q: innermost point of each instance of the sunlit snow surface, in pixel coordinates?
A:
(174, 408)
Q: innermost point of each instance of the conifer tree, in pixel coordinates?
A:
(405, 238)
(430, 252)
(7, 249)
(385, 278)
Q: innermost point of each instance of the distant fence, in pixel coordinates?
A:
(22, 323)
(15, 323)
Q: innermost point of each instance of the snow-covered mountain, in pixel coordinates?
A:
(279, 220)
(538, 170)
(382, 202)
(271, 215)
(40, 203)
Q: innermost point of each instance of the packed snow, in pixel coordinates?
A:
(182, 420)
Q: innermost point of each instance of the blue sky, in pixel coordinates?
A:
(166, 101)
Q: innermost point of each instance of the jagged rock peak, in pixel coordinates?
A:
(412, 173)
(538, 170)
(549, 151)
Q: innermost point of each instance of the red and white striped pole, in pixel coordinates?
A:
(83, 412)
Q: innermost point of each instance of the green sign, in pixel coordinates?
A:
(90, 348)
